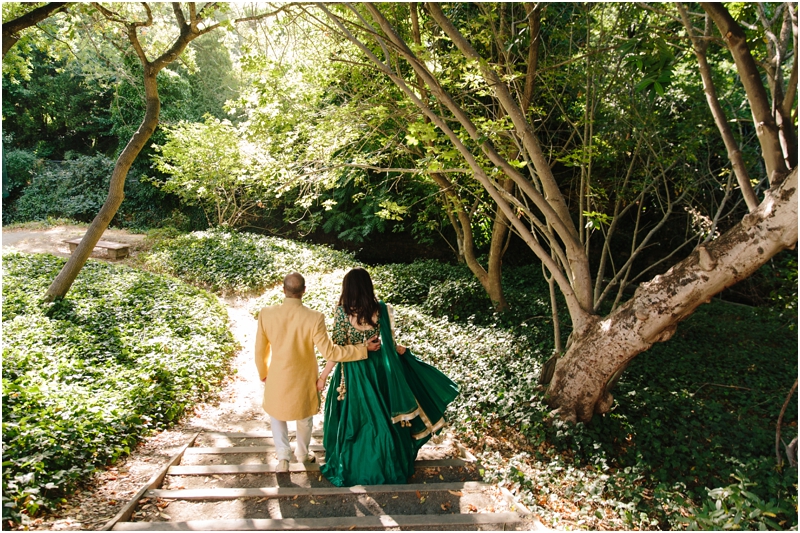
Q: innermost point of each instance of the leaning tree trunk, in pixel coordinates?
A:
(189, 30)
(604, 345)
(62, 283)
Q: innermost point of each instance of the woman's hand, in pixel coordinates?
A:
(321, 383)
(401, 349)
(374, 344)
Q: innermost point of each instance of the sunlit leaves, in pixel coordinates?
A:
(391, 210)
(211, 165)
(86, 378)
(238, 263)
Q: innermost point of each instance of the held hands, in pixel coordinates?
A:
(401, 349)
(374, 344)
(321, 382)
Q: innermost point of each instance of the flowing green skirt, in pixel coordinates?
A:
(392, 405)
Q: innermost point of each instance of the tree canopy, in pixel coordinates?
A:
(622, 144)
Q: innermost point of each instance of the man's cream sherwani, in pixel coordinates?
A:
(285, 341)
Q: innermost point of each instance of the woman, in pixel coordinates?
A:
(381, 410)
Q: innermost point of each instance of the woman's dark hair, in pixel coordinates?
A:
(358, 297)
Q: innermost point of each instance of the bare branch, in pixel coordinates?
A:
(284, 8)
(179, 16)
(780, 422)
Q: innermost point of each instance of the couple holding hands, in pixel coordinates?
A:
(383, 403)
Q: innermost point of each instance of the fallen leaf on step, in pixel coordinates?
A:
(456, 492)
(445, 506)
(441, 477)
(422, 500)
(295, 496)
(165, 516)
(419, 495)
(395, 497)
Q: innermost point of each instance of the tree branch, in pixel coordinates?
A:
(31, 18)
(780, 421)
(766, 128)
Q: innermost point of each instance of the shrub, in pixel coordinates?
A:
(411, 283)
(85, 378)
(75, 188)
(240, 263)
(20, 166)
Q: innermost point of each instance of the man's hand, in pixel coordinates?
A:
(374, 344)
(401, 349)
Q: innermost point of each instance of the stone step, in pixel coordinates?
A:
(204, 470)
(281, 492)
(446, 521)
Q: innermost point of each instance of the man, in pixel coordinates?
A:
(285, 341)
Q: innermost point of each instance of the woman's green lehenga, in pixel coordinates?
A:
(380, 411)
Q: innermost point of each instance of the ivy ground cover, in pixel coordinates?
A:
(84, 379)
(689, 442)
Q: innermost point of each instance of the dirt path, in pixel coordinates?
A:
(51, 240)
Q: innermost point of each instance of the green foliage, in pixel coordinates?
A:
(783, 295)
(208, 164)
(673, 432)
(654, 58)
(20, 167)
(214, 80)
(736, 508)
(58, 108)
(227, 261)
(85, 378)
(47, 223)
(75, 188)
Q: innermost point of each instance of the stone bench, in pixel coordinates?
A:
(114, 250)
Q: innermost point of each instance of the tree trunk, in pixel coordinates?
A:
(497, 248)
(62, 283)
(578, 389)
